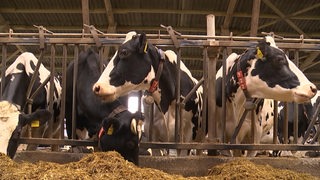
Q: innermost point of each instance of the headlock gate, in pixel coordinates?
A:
(63, 44)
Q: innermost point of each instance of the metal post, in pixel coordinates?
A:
(63, 93)
(75, 74)
(3, 67)
(52, 85)
(275, 122)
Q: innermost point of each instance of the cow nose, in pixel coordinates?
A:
(313, 89)
(96, 89)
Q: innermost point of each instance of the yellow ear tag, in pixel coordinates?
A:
(110, 130)
(35, 123)
(145, 48)
(259, 53)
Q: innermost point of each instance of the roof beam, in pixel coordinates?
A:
(309, 62)
(228, 17)
(182, 5)
(151, 11)
(282, 16)
(255, 17)
(85, 14)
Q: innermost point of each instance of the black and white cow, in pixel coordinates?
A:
(261, 72)
(139, 65)
(17, 79)
(11, 123)
(118, 127)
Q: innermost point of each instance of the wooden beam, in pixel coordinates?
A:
(182, 5)
(151, 11)
(309, 62)
(255, 17)
(228, 17)
(85, 15)
(109, 12)
(288, 21)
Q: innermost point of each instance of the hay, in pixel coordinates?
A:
(245, 169)
(110, 165)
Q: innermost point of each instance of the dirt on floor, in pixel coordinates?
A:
(111, 165)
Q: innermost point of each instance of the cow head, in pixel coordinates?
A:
(11, 123)
(132, 68)
(122, 133)
(268, 73)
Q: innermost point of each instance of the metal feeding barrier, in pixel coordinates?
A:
(211, 46)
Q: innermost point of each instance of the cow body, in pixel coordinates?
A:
(92, 114)
(267, 73)
(17, 80)
(136, 66)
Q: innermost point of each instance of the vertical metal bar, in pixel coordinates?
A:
(295, 105)
(212, 53)
(51, 90)
(285, 122)
(151, 122)
(205, 90)
(101, 59)
(224, 110)
(253, 125)
(75, 74)
(275, 122)
(63, 93)
(178, 126)
(3, 67)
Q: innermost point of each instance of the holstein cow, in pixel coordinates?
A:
(11, 123)
(139, 65)
(17, 79)
(261, 72)
(118, 127)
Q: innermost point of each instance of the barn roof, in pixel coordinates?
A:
(286, 18)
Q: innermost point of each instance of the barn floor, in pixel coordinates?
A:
(186, 166)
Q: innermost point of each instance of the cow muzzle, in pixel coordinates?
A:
(105, 92)
(305, 93)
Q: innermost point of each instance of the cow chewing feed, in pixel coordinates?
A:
(17, 79)
(91, 112)
(261, 72)
(11, 123)
(138, 65)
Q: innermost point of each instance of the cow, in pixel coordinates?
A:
(118, 127)
(17, 79)
(263, 72)
(139, 65)
(11, 123)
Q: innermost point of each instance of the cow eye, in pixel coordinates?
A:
(123, 53)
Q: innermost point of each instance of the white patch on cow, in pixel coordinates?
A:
(26, 58)
(270, 40)
(129, 36)
(9, 117)
(82, 134)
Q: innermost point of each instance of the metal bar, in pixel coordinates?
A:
(285, 123)
(3, 68)
(205, 93)
(313, 121)
(193, 90)
(178, 125)
(275, 122)
(74, 85)
(57, 142)
(51, 87)
(224, 111)
(253, 126)
(63, 90)
(298, 147)
(295, 122)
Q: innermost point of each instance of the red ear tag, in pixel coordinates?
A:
(153, 86)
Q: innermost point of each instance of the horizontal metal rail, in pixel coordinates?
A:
(297, 147)
(49, 141)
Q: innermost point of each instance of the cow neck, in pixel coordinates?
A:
(155, 82)
(241, 79)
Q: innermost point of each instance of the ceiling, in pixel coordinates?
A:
(286, 18)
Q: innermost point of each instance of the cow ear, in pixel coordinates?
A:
(111, 125)
(261, 50)
(143, 44)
